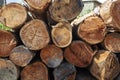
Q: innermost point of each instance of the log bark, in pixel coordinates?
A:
(112, 42)
(35, 71)
(79, 53)
(105, 65)
(15, 15)
(21, 56)
(62, 34)
(65, 9)
(8, 70)
(34, 34)
(92, 30)
(109, 12)
(7, 43)
(52, 56)
(64, 72)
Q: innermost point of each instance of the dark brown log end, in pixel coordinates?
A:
(92, 30)
(7, 43)
(34, 34)
(79, 53)
(14, 14)
(35, 71)
(52, 56)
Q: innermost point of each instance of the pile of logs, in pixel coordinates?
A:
(50, 43)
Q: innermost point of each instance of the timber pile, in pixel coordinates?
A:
(43, 45)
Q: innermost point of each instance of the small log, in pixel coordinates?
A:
(52, 56)
(35, 71)
(112, 42)
(15, 15)
(105, 65)
(21, 55)
(92, 30)
(7, 43)
(65, 9)
(109, 12)
(34, 34)
(62, 34)
(79, 53)
(65, 71)
(8, 71)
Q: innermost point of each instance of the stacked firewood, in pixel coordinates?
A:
(48, 44)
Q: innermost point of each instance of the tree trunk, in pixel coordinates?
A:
(34, 34)
(92, 30)
(7, 43)
(21, 56)
(15, 15)
(52, 56)
(62, 34)
(35, 71)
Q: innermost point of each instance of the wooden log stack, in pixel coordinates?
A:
(47, 49)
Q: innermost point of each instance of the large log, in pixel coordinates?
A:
(52, 56)
(62, 34)
(109, 12)
(7, 43)
(92, 30)
(34, 34)
(35, 71)
(15, 15)
(105, 65)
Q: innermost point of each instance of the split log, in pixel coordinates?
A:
(35, 71)
(34, 34)
(7, 43)
(65, 9)
(15, 15)
(62, 34)
(109, 12)
(105, 65)
(21, 55)
(65, 71)
(8, 71)
(92, 30)
(52, 56)
(112, 42)
(79, 53)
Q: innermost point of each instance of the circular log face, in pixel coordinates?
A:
(65, 9)
(8, 71)
(79, 53)
(7, 43)
(52, 56)
(35, 71)
(14, 14)
(34, 34)
(112, 42)
(92, 30)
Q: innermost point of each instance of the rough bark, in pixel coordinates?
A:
(92, 30)
(34, 34)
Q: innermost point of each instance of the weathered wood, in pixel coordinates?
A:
(21, 55)
(34, 34)
(65, 9)
(112, 42)
(8, 70)
(79, 53)
(7, 43)
(62, 34)
(35, 71)
(64, 72)
(109, 12)
(15, 15)
(92, 30)
(52, 56)
(105, 65)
